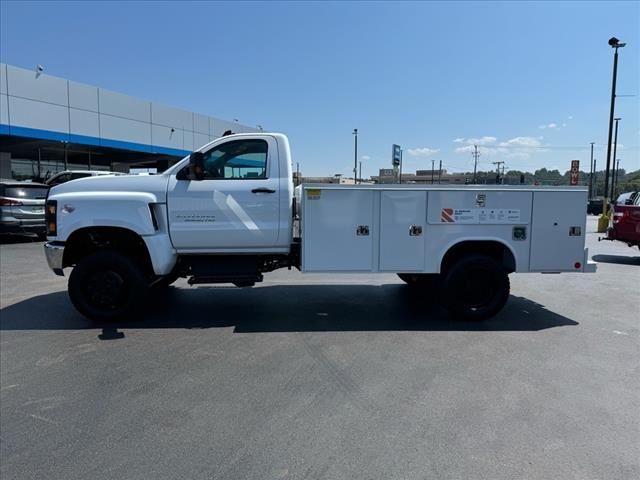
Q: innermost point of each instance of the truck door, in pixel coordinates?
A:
(235, 206)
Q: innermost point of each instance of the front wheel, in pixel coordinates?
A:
(107, 286)
(476, 287)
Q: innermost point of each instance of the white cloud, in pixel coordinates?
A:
(486, 140)
(517, 148)
(521, 142)
(458, 140)
(466, 148)
(422, 152)
(549, 125)
(365, 157)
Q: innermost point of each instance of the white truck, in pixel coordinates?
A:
(229, 213)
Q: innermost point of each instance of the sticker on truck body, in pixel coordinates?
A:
(480, 215)
(313, 193)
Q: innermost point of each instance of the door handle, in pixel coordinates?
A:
(262, 190)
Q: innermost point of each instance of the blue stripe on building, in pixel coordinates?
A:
(88, 140)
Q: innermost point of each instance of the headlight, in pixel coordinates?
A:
(50, 217)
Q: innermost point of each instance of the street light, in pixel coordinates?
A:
(613, 166)
(355, 156)
(616, 178)
(603, 221)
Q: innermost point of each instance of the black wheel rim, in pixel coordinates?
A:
(478, 288)
(105, 290)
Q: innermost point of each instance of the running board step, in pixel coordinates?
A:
(248, 280)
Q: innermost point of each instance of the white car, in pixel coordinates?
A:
(67, 175)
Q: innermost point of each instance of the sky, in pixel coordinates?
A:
(528, 82)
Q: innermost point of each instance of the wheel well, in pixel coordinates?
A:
(88, 240)
(491, 248)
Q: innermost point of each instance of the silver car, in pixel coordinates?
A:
(22, 208)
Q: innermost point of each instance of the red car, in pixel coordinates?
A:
(626, 221)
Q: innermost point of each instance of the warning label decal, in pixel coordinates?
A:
(480, 215)
(313, 193)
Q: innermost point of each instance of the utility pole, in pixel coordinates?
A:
(440, 172)
(591, 173)
(360, 171)
(433, 166)
(475, 154)
(595, 179)
(498, 171)
(355, 156)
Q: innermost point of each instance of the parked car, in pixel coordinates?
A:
(67, 175)
(594, 207)
(627, 198)
(22, 207)
(625, 225)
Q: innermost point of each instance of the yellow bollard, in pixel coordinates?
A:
(603, 221)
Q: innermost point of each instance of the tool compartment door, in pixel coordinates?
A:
(558, 231)
(338, 230)
(403, 218)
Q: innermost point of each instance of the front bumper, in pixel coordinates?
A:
(54, 251)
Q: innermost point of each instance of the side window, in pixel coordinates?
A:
(61, 179)
(75, 176)
(237, 160)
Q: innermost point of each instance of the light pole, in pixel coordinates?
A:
(591, 174)
(616, 178)
(355, 156)
(603, 221)
(613, 165)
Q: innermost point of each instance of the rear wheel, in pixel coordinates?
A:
(107, 286)
(476, 287)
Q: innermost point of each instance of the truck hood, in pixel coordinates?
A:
(153, 184)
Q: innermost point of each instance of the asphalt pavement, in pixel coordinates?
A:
(323, 377)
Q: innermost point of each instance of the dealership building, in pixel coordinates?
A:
(49, 124)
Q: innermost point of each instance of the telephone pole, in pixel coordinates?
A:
(591, 173)
(475, 154)
(355, 156)
(500, 176)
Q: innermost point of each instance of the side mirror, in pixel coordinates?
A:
(196, 166)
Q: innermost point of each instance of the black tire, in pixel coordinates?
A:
(476, 287)
(107, 286)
